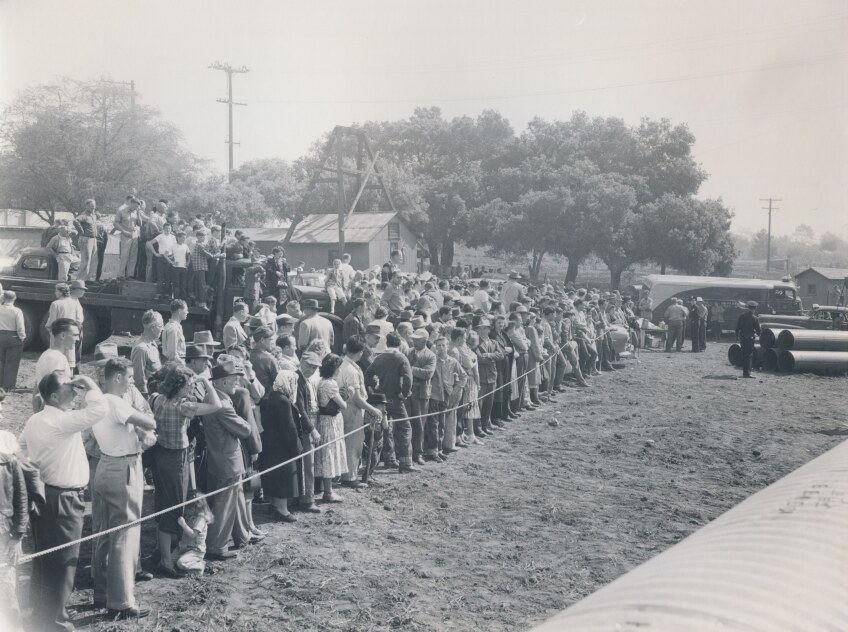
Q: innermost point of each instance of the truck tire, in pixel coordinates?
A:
(90, 330)
(31, 325)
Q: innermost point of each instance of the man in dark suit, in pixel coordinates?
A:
(394, 380)
(746, 326)
(353, 323)
(423, 363)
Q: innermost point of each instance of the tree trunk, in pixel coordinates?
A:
(433, 248)
(615, 276)
(662, 267)
(447, 252)
(536, 265)
(571, 272)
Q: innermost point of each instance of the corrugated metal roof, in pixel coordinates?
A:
(360, 228)
(834, 274)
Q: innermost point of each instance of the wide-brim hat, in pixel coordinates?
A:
(78, 285)
(286, 319)
(220, 371)
(420, 334)
(405, 316)
(483, 322)
(104, 352)
(374, 330)
(521, 309)
(255, 321)
(309, 303)
(514, 275)
(205, 338)
(376, 399)
(752, 304)
(417, 322)
(196, 352)
(311, 357)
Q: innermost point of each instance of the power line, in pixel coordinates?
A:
(769, 208)
(633, 84)
(230, 70)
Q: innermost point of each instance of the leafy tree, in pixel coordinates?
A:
(237, 203)
(68, 141)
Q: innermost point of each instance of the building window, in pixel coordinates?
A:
(394, 231)
(811, 288)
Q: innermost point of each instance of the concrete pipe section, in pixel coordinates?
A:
(777, 562)
(812, 340)
(770, 360)
(831, 362)
(734, 355)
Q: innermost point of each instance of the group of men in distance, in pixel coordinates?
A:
(428, 367)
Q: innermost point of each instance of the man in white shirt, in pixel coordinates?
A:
(481, 297)
(64, 334)
(164, 242)
(117, 494)
(313, 326)
(52, 443)
(173, 337)
(12, 337)
(181, 255)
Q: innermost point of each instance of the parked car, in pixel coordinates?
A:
(831, 317)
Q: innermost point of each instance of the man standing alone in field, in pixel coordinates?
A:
(747, 325)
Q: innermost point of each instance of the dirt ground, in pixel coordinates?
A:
(504, 535)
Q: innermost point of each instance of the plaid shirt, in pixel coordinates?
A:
(200, 257)
(172, 420)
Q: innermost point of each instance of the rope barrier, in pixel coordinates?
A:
(28, 558)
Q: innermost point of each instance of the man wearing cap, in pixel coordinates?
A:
(234, 333)
(145, 354)
(117, 493)
(394, 380)
(747, 326)
(173, 337)
(313, 326)
(223, 430)
(423, 363)
(675, 316)
(446, 387)
(354, 324)
(204, 340)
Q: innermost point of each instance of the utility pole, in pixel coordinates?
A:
(230, 70)
(770, 208)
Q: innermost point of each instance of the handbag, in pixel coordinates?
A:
(330, 410)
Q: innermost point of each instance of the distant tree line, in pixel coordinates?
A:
(575, 188)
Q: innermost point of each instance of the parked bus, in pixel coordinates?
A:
(773, 297)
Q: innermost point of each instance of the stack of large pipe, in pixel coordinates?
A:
(812, 351)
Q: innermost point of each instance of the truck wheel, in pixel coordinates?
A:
(30, 325)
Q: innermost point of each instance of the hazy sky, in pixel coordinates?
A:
(762, 84)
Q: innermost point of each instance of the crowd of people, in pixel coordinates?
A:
(427, 367)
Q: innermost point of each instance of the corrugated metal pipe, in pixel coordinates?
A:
(777, 562)
(812, 340)
(835, 362)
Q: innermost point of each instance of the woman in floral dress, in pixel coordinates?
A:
(331, 460)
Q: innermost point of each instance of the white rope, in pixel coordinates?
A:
(128, 525)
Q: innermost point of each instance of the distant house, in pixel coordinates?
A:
(820, 286)
(369, 239)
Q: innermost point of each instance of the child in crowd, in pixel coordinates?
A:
(13, 525)
(179, 272)
(194, 522)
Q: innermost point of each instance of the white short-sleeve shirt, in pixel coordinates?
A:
(114, 435)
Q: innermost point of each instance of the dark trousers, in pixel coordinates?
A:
(11, 348)
(401, 434)
(487, 400)
(198, 285)
(747, 345)
(521, 379)
(101, 250)
(163, 275)
(374, 437)
(52, 581)
(434, 428)
(417, 408)
(559, 368)
(702, 335)
(588, 356)
(179, 282)
(674, 336)
(716, 327)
